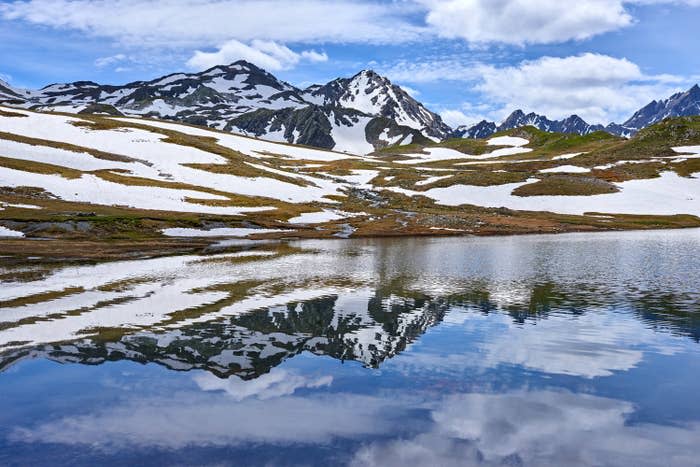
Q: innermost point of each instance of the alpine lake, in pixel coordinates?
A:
(572, 349)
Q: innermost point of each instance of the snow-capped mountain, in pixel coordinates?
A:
(681, 104)
(572, 124)
(252, 344)
(372, 94)
(483, 129)
(355, 115)
(517, 119)
(10, 95)
(212, 97)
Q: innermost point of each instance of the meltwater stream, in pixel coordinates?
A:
(578, 349)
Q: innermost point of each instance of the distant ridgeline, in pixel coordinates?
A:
(357, 115)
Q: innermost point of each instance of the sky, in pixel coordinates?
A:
(464, 59)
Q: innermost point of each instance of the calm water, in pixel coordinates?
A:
(545, 350)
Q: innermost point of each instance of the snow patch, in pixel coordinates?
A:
(507, 141)
(5, 232)
(572, 169)
(220, 232)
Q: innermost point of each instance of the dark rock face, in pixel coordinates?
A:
(309, 125)
(382, 132)
(101, 109)
(483, 129)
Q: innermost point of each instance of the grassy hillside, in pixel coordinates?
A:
(93, 178)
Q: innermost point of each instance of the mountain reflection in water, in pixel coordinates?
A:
(525, 350)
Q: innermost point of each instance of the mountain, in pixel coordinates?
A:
(10, 95)
(682, 104)
(483, 129)
(375, 95)
(252, 344)
(357, 115)
(679, 105)
(573, 124)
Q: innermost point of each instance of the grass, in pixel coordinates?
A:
(65, 146)
(40, 297)
(632, 171)
(468, 146)
(39, 168)
(7, 113)
(478, 178)
(136, 232)
(566, 185)
(687, 168)
(237, 162)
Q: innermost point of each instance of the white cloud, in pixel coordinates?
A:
(598, 88)
(175, 24)
(189, 418)
(521, 22)
(266, 54)
(202, 23)
(411, 92)
(658, 2)
(524, 21)
(456, 118)
(535, 428)
(467, 114)
(313, 56)
(111, 60)
(276, 383)
(421, 71)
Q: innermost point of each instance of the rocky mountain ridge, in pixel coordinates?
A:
(682, 104)
(357, 115)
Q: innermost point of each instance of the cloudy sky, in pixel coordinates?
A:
(466, 59)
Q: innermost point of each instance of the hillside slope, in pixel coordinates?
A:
(92, 177)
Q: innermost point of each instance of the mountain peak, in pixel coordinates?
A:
(371, 76)
(246, 65)
(681, 104)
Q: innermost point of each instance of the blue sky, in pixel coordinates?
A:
(465, 59)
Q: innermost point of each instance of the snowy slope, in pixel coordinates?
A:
(145, 154)
(167, 166)
(373, 94)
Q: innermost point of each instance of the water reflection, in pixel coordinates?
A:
(516, 351)
(535, 428)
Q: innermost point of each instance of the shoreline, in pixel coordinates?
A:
(59, 250)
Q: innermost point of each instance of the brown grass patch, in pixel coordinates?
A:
(7, 113)
(566, 185)
(39, 168)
